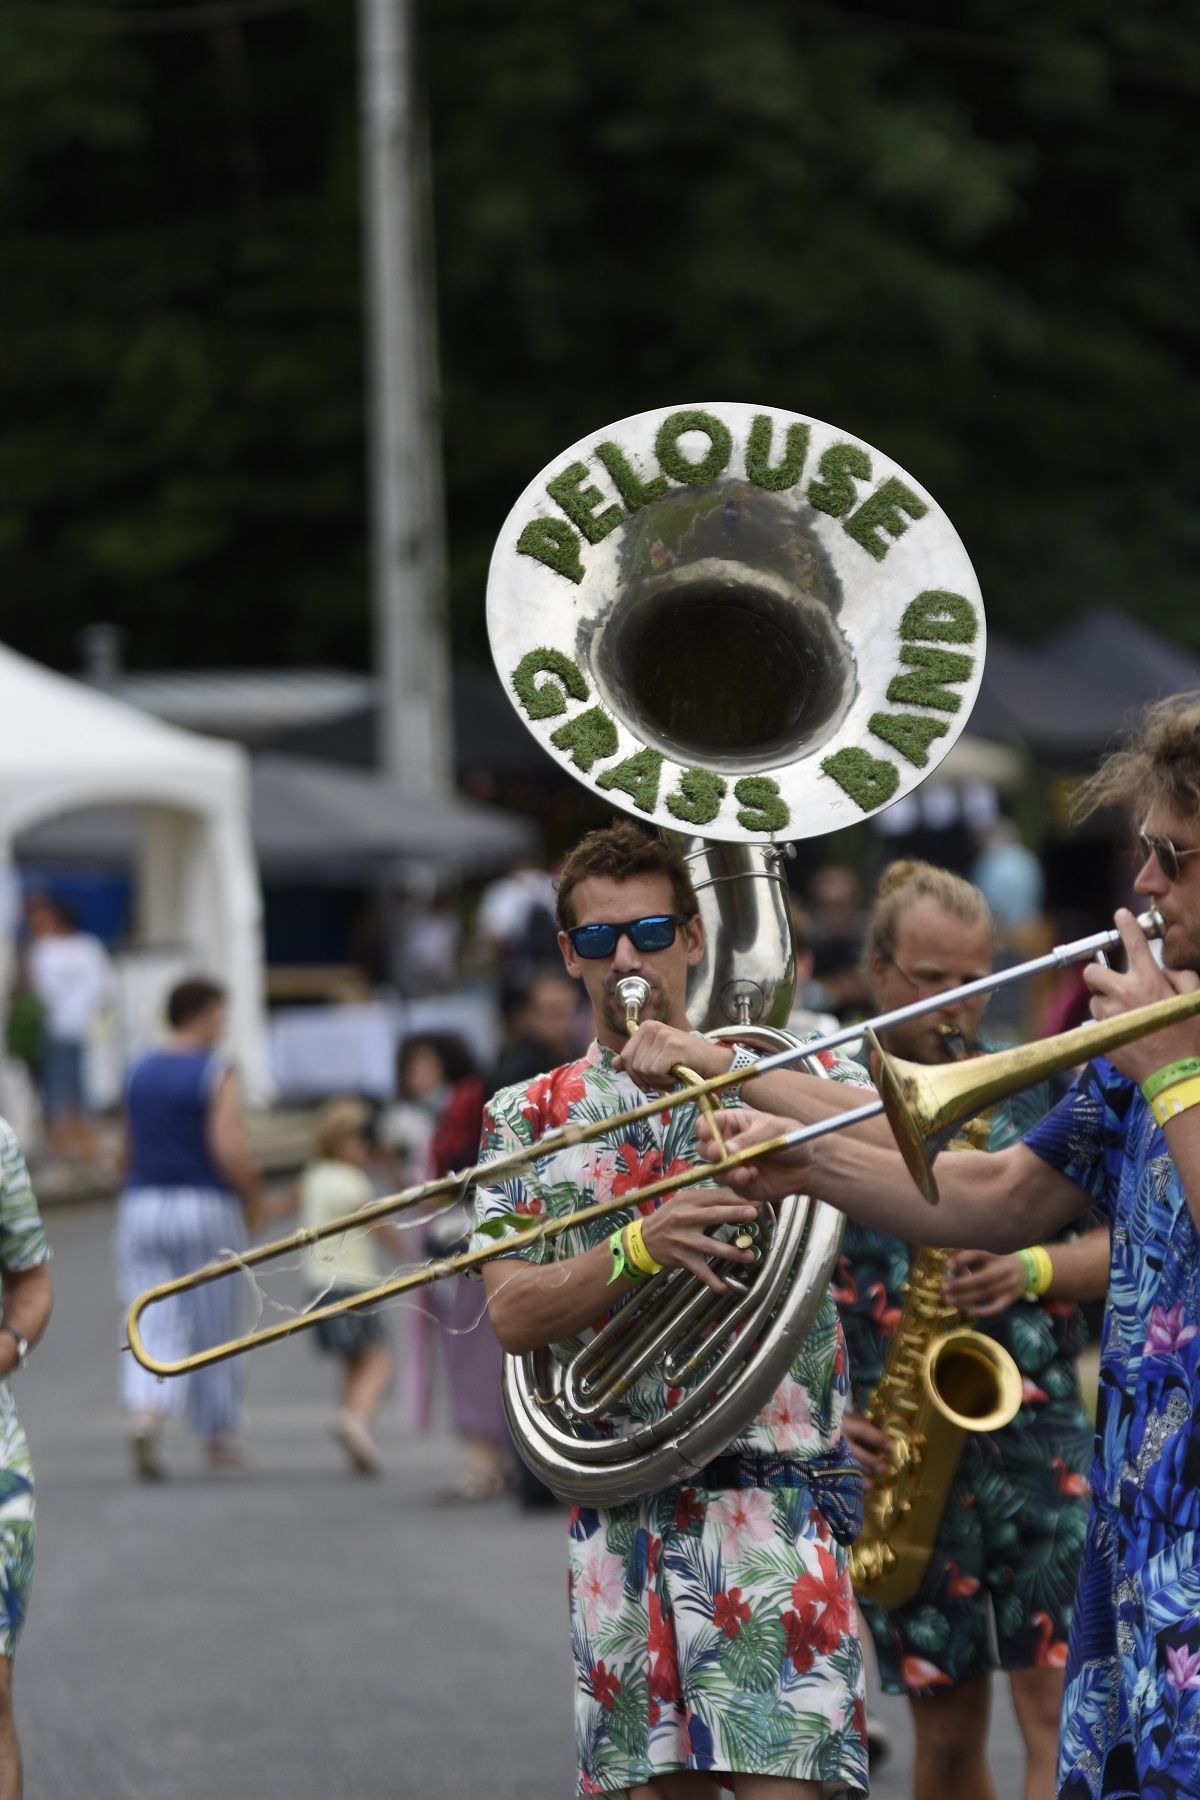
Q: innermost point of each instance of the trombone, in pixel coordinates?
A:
(924, 1105)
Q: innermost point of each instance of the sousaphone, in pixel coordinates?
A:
(744, 627)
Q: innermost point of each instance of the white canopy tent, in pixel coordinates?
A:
(64, 746)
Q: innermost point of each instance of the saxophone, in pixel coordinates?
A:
(942, 1379)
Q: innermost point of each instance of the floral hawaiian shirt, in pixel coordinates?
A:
(22, 1246)
(1131, 1717)
(711, 1629)
(804, 1417)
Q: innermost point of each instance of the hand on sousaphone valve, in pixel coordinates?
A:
(677, 1234)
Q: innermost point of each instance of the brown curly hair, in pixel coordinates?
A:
(1160, 766)
(620, 852)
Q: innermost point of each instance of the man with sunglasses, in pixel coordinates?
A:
(1126, 1140)
(712, 1624)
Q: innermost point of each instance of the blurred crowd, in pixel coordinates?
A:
(182, 1128)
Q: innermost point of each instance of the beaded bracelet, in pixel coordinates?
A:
(1039, 1270)
(637, 1253)
(1176, 1099)
(1168, 1075)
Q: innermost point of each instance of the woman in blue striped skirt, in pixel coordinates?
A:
(190, 1182)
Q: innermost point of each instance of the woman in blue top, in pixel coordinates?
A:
(190, 1180)
(1126, 1140)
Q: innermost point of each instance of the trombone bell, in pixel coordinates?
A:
(926, 1103)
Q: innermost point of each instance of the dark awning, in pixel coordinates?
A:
(1117, 655)
(306, 809)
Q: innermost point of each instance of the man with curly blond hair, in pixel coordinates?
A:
(1125, 1140)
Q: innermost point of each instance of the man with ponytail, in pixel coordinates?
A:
(1002, 1575)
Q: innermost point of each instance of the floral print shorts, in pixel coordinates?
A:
(16, 1526)
(714, 1631)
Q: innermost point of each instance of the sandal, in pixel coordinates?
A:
(352, 1434)
(476, 1484)
(228, 1452)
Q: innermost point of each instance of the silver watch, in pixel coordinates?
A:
(21, 1343)
(743, 1058)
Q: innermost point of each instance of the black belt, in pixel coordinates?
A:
(833, 1478)
(757, 1472)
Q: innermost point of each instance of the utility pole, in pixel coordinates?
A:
(407, 554)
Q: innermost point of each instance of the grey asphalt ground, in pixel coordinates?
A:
(293, 1633)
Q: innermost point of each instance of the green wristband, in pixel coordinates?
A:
(1031, 1268)
(621, 1263)
(1168, 1075)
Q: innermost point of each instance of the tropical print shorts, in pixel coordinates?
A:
(16, 1525)
(22, 1246)
(714, 1630)
(1012, 1534)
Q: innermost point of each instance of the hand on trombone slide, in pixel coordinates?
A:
(1115, 992)
(783, 1172)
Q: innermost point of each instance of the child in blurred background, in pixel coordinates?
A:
(436, 1072)
(337, 1182)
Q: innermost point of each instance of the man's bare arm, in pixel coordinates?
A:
(531, 1304)
(28, 1297)
(229, 1144)
(989, 1202)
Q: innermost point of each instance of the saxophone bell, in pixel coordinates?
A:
(942, 1379)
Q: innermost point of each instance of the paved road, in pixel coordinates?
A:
(294, 1633)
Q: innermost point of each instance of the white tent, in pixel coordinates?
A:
(65, 746)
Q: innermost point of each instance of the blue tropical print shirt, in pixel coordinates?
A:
(1131, 1714)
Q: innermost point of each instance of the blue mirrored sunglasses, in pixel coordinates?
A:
(654, 933)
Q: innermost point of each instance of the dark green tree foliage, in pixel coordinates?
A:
(180, 348)
(974, 247)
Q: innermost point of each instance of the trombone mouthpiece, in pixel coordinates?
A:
(633, 994)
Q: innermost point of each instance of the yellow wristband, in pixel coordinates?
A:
(1176, 1099)
(1040, 1268)
(636, 1251)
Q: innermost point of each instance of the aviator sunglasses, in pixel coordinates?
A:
(1168, 858)
(657, 932)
